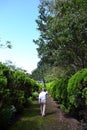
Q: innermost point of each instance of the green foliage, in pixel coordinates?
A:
(77, 92)
(19, 99)
(35, 95)
(84, 94)
(6, 117)
(16, 89)
(29, 100)
(3, 81)
(6, 45)
(58, 90)
(71, 93)
(49, 87)
(35, 85)
(63, 34)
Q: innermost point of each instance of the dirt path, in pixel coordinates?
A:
(54, 119)
(60, 121)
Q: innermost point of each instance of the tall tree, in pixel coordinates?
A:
(63, 31)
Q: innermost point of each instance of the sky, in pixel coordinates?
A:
(17, 24)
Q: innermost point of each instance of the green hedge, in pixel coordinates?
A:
(16, 90)
(71, 93)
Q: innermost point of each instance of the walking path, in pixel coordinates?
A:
(54, 119)
(60, 121)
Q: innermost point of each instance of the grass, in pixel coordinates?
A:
(30, 120)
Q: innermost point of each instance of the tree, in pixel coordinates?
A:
(63, 31)
(6, 45)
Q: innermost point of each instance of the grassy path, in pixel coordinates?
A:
(54, 119)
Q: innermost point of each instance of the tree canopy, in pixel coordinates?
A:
(63, 31)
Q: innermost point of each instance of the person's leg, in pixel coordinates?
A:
(44, 109)
(41, 108)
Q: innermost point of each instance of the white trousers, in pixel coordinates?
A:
(43, 107)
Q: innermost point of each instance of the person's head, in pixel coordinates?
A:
(43, 89)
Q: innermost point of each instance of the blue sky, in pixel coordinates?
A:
(17, 24)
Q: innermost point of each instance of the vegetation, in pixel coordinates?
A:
(63, 31)
(77, 90)
(16, 92)
(62, 49)
(71, 93)
(6, 45)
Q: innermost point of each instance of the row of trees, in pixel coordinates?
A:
(16, 92)
(62, 49)
(71, 94)
(63, 31)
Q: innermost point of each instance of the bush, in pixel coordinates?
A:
(29, 100)
(77, 91)
(7, 116)
(35, 95)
